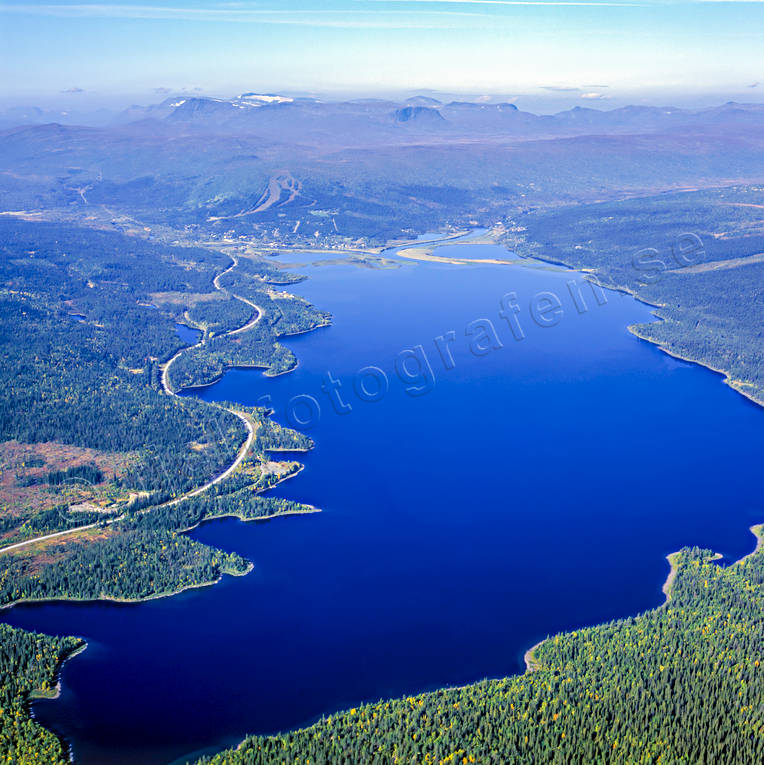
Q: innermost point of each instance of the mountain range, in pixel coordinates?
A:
(368, 168)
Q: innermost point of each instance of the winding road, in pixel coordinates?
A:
(240, 456)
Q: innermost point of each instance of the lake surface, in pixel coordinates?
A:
(472, 505)
(189, 335)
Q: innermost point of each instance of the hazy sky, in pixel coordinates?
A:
(598, 48)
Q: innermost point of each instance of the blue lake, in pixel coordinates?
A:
(188, 335)
(490, 496)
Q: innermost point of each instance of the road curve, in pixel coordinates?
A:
(251, 323)
(240, 456)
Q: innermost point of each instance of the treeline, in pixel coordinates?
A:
(87, 473)
(217, 317)
(682, 683)
(283, 315)
(254, 348)
(95, 383)
(715, 317)
(125, 563)
(656, 247)
(240, 495)
(28, 664)
(83, 347)
(274, 437)
(268, 272)
(58, 518)
(243, 503)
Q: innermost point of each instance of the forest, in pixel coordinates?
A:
(85, 333)
(29, 662)
(121, 564)
(696, 256)
(104, 367)
(282, 316)
(84, 342)
(613, 693)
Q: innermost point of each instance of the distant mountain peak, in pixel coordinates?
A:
(418, 114)
(477, 106)
(263, 99)
(422, 101)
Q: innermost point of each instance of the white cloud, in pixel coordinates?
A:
(340, 18)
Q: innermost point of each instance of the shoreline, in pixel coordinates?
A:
(424, 251)
(529, 657)
(127, 601)
(312, 509)
(186, 389)
(758, 531)
(731, 382)
(252, 322)
(532, 664)
(36, 693)
(172, 593)
(673, 559)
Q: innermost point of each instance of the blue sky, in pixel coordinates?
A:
(592, 51)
